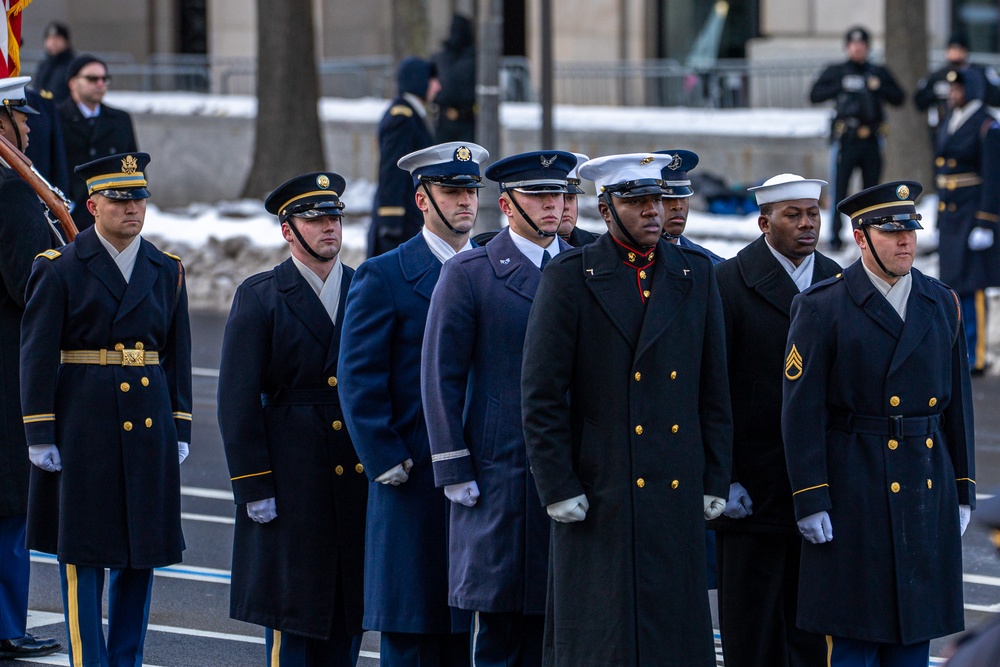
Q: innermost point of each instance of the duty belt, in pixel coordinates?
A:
(955, 181)
(105, 357)
(895, 427)
(301, 397)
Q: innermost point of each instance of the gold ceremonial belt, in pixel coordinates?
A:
(110, 357)
(955, 181)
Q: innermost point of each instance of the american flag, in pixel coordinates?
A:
(10, 50)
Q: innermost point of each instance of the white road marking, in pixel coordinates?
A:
(205, 372)
(188, 572)
(210, 518)
(211, 494)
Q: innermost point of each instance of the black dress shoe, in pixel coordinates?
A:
(28, 646)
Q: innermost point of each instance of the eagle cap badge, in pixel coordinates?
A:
(547, 161)
(323, 181)
(129, 164)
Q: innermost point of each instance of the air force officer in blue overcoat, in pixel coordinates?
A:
(471, 383)
(406, 559)
(298, 548)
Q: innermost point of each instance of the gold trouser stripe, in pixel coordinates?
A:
(72, 597)
(829, 651)
(276, 649)
(810, 488)
(390, 211)
(103, 357)
(44, 417)
(253, 474)
(475, 636)
(980, 329)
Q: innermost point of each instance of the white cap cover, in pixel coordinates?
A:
(612, 170)
(787, 187)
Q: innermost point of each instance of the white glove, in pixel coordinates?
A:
(183, 449)
(262, 511)
(396, 475)
(45, 457)
(714, 506)
(980, 238)
(739, 505)
(569, 511)
(964, 514)
(463, 493)
(817, 527)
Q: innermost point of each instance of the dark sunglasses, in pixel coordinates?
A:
(94, 79)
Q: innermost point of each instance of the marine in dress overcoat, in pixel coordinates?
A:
(878, 431)
(283, 429)
(406, 547)
(471, 378)
(116, 502)
(645, 433)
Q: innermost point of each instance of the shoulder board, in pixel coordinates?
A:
(172, 256)
(49, 254)
(401, 110)
(46, 94)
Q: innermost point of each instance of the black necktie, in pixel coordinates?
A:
(545, 259)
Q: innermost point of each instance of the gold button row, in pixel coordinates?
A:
(128, 425)
(894, 401)
(125, 386)
(641, 483)
(638, 375)
(358, 469)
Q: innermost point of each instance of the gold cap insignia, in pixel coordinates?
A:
(547, 162)
(647, 159)
(793, 364)
(129, 164)
(675, 164)
(463, 154)
(323, 181)
(902, 192)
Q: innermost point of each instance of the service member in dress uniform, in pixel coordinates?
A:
(106, 397)
(298, 549)
(677, 193)
(877, 425)
(967, 167)
(406, 556)
(758, 543)
(471, 382)
(625, 401)
(24, 232)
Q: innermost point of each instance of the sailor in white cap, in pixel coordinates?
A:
(627, 423)
(757, 542)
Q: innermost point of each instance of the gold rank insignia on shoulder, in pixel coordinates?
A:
(793, 364)
(49, 254)
(47, 94)
(129, 164)
(172, 256)
(401, 110)
(323, 181)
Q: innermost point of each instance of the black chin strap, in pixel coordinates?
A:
(447, 224)
(17, 131)
(544, 235)
(303, 243)
(614, 215)
(864, 230)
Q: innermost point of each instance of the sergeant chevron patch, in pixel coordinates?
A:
(793, 364)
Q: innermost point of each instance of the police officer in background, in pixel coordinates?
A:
(878, 431)
(967, 168)
(858, 89)
(107, 317)
(677, 193)
(298, 549)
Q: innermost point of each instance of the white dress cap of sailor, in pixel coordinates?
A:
(12, 93)
(787, 187)
(612, 170)
(447, 155)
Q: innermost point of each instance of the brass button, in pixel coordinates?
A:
(895, 487)
(941, 204)
(119, 347)
(149, 422)
(339, 470)
(645, 293)
(359, 468)
(932, 402)
(638, 429)
(929, 484)
(894, 401)
(673, 375)
(138, 345)
(332, 381)
(939, 162)
(642, 275)
(674, 484)
(145, 382)
(893, 444)
(125, 386)
(127, 426)
(638, 376)
(930, 443)
(952, 162)
(337, 425)
(675, 428)
(640, 482)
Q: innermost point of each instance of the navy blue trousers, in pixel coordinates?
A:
(507, 640)
(856, 653)
(128, 615)
(974, 317)
(15, 571)
(285, 649)
(404, 649)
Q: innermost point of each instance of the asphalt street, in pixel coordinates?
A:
(189, 616)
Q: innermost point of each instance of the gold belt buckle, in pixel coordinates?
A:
(133, 357)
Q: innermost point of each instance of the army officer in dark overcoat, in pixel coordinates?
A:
(627, 422)
(878, 433)
(298, 550)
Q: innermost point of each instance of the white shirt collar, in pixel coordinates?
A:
(328, 291)
(124, 260)
(801, 275)
(87, 113)
(416, 103)
(533, 251)
(897, 295)
(439, 247)
(959, 116)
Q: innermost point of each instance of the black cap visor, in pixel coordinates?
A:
(454, 181)
(21, 105)
(121, 195)
(308, 210)
(637, 188)
(893, 223)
